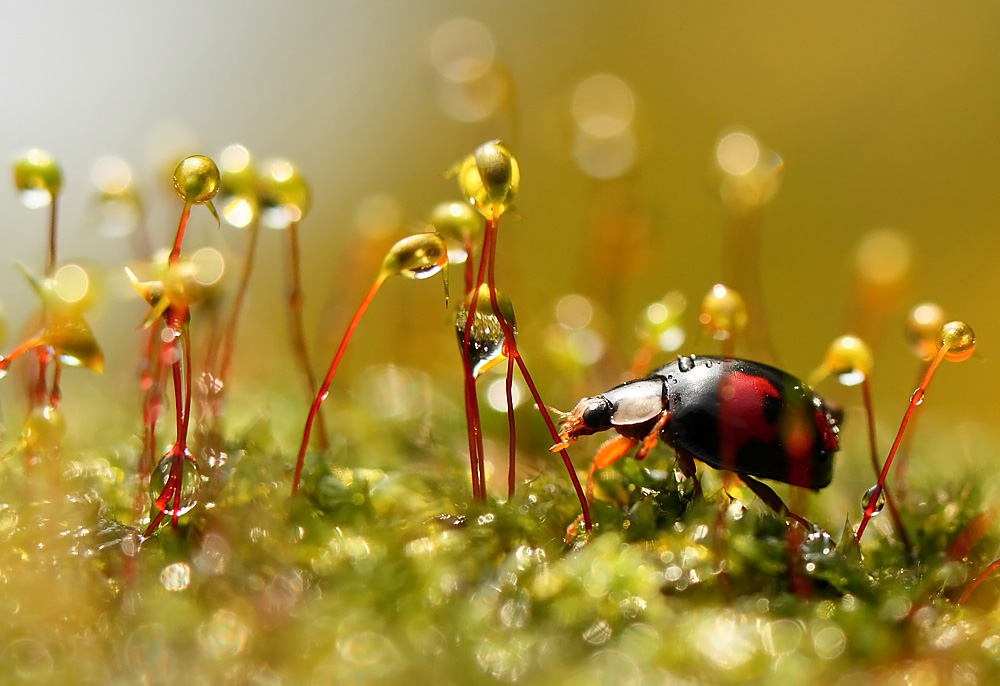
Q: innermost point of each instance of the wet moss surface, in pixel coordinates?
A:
(390, 573)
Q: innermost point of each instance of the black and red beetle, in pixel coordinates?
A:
(746, 417)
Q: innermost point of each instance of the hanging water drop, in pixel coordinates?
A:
(164, 492)
(486, 339)
(879, 504)
(818, 550)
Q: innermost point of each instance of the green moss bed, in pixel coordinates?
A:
(387, 572)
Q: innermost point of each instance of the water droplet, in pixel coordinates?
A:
(685, 364)
(164, 490)
(222, 636)
(818, 550)
(503, 661)
(868, 496)
(212, 555)
(176, 577)
(28, 660)
(597, 633)
(851, 378)
(486, 339)
(43, 430)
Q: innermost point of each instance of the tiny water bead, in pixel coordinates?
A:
(161, 486)
(38, 178)
(956, 342)
(879, 504)
(176, 577)
(818, 550)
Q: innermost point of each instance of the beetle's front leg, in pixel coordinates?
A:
(610, 452)
(654, 434)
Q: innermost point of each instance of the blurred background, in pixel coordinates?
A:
(875, 132)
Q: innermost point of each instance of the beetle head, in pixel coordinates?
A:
(589, 416)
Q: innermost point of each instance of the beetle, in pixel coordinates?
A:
(738, 415)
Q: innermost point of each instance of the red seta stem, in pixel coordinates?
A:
(475, 430)
(472, 419)
(490, 240)
(175, 251)
(890, 501)
(511, 428)
(325, 387)
(50, 265)
(296, 326)
(978, 580)
(915, 400)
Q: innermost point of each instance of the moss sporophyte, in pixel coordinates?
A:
(376, 557)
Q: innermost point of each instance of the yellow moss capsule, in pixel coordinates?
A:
(923, 323)
(489, 178)
(43, 430)
(37, 171)
(73, 341)
(723, 312)
(196, 179)
(238, 187)
(456, 222)
(850, 359)
(416, 257)
(63, 327)
(283, 194)
(959, 339)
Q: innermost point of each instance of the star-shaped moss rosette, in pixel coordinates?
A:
(63, 328)
(180, 286)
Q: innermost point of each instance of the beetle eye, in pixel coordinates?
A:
(597, 414)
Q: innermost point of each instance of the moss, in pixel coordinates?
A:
(392, 575)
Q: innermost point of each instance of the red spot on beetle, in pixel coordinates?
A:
(742, 417)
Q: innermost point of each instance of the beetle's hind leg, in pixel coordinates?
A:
(688, 469)
(771, 499)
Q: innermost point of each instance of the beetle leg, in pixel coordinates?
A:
(771, 499)
(654, 434)
(686, 463)
(610, 452)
